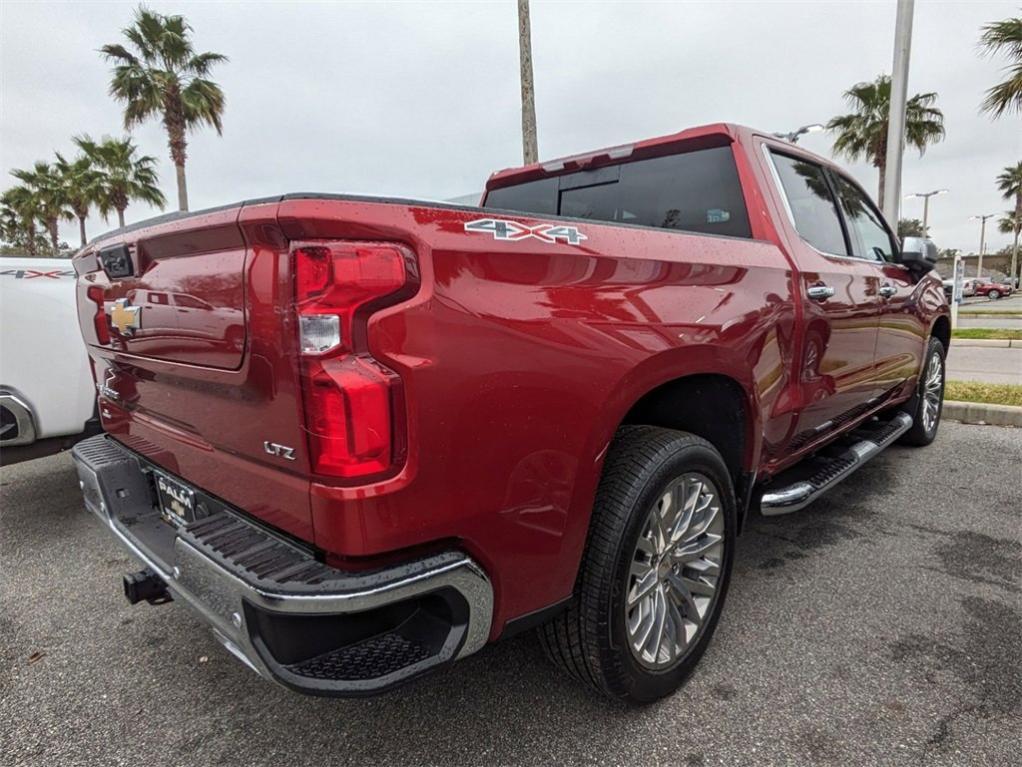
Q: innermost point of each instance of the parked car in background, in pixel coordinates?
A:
(47, 397)
(992, 290)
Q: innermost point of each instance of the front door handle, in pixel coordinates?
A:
(888, 290)
(820, 292)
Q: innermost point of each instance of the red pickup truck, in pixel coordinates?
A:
(382, 433)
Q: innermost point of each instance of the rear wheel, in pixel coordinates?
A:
(927, 404)
(994, 294)
(656, 568)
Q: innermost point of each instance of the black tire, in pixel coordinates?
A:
(590, 639)
(994, 295)
(919, 435)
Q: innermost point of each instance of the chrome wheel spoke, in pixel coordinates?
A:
(660, 617)
(696, 549)
(687, 599)
(704, 566)
(709, 516)
(697, 586)
(643, 586)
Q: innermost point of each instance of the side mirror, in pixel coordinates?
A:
(919, 254)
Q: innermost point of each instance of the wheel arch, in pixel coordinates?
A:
(710, 405)
(941, 330)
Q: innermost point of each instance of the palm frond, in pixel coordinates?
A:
(1004, 38)
(203, 102)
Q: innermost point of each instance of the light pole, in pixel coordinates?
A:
(982, 238)
(896, 115)
(926, 206)
(794, 135)
(530, 150)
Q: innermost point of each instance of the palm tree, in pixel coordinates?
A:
(45, 184)
(81, 182)
(122, 176)
(1009, 223)
(863, 133)
(21, 208)
(1004, 37)
(1009, 184)
(165, 76)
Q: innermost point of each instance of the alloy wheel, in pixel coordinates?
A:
(675, 571)
(933, 390)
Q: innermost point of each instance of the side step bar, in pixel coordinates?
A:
(873, 438)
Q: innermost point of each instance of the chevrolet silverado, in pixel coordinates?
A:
(363, 437)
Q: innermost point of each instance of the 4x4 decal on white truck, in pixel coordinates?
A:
(503, 229)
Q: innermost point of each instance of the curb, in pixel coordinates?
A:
(982, 413)
(1000, 343)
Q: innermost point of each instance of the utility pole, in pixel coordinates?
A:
(926, 207)
(982, 238)
(530, 150)
(896, 117)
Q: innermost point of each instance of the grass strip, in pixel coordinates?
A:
(1012, 334)
(988, 393)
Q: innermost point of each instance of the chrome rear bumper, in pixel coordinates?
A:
(278, 609)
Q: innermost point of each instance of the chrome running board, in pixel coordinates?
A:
(785, 497)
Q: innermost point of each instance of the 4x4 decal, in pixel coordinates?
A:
(503, 229)
(29, 274)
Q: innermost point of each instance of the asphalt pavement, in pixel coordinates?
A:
(880, 626)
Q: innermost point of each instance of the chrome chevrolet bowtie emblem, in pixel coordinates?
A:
(125, 317)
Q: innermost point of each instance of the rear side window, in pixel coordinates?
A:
(694, 192)
(870, 238)
(539, 197)
(811, 204)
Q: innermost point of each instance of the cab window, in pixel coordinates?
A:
(697, 191)
(869, 237)
(812, 206)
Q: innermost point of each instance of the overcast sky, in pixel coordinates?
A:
(422, 99)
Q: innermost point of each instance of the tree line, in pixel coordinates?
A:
(158, 74)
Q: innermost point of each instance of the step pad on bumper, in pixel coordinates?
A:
(376, 657)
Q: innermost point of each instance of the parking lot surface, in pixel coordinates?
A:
(882, 625)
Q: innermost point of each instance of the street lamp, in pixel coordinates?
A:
(982, 238)
(926, 206)
(793, 136)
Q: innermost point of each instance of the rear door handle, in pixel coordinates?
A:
(820, 292)
(888, 290)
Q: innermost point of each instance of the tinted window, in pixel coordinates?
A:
(811, 203)
(538, 197)
(869, 238)
(695, 192)
(189, 302)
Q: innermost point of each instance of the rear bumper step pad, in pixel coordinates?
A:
(786, 493)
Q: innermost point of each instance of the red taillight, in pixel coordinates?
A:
(95, 294)
(348, 395)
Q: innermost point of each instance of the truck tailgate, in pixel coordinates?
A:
(189, 326)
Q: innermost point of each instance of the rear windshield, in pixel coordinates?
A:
(694, 192)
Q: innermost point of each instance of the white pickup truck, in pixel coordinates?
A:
(47, 398)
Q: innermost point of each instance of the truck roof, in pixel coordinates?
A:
(712, 134)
